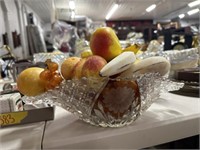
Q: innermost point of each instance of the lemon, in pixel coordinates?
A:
(29, 82)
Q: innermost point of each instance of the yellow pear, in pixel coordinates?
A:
(105, 43)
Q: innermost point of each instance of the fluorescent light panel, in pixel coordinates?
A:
(194, 3)
(193, 11)
(71, 4)
(73, 15)
(112, 10)
(150, 8)
(181, 16)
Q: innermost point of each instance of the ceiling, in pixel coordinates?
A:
(97, 9)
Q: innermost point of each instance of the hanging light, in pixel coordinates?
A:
(72, 8)
(193, 11)
(150, 8)
(112, 10)
(181, 16)
(194, 3)
(72, 4)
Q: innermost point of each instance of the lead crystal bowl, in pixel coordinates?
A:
(109, 102)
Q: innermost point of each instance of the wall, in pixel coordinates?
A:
(2, 27)
(37, 20)
(25, 10)
(13, 18)
(11, 25)
(47, 32)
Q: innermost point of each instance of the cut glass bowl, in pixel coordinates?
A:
(109, 102)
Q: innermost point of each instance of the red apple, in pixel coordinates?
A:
(92, 66)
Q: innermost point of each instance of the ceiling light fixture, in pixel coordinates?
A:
(71, 4)
(112, 10)
(193, 11)
(194, 3)
(73, 15)
(181, 16)
(150, 8)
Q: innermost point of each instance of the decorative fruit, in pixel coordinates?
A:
(105, 43)
(86, 53)
(29, 82)
(46, 75)
(50, 75)
(52, 66)
(139, 52)
(152, 64)
(67, 67)
(92, 66)
(77, 70)
(56, 80)
(118, 64)
(133, 48)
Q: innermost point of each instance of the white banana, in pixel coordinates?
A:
(152, 64)
(119, 64)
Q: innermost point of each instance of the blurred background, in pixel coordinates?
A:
(31, 28)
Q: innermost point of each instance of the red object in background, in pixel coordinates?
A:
(65, 47)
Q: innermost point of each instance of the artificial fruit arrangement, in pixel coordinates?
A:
(108, 87)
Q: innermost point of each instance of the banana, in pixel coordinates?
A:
(86, 53)
(119, 64)
(133, 48)
(139, 52)
(152, 64)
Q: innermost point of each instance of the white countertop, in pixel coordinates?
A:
(22, 137)
(170, 118)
